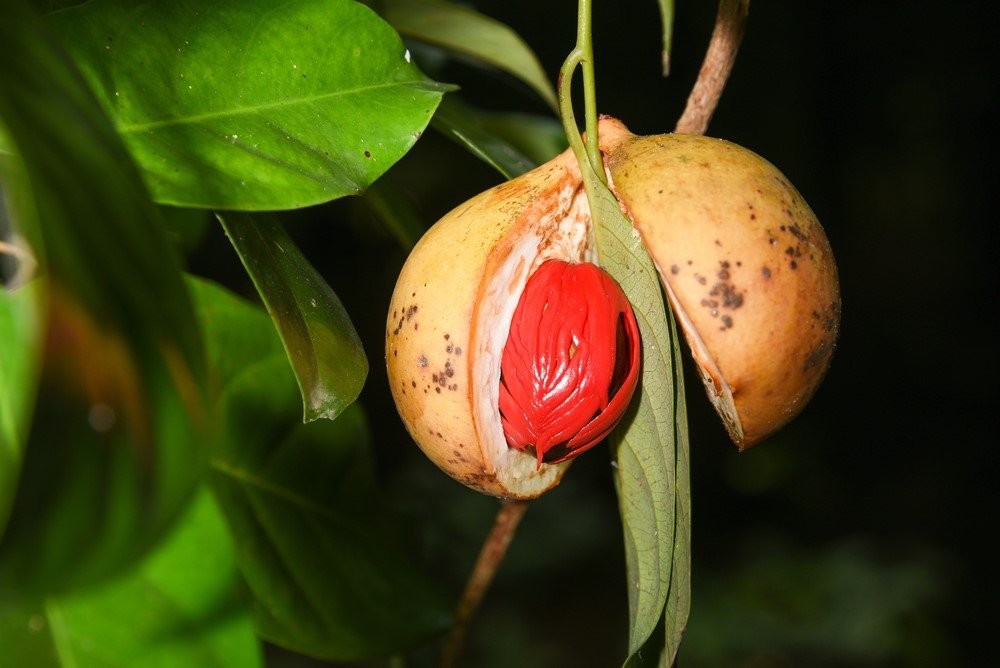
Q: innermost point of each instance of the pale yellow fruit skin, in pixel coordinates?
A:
(747, 266)
(443, 368)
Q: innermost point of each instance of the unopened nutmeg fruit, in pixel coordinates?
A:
(509, 351)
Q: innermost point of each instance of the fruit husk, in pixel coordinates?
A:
(746, 266)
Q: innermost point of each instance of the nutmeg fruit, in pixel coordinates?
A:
(450, 315)
(747, 269)
(745, 265)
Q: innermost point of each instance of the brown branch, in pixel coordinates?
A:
(490, 558)
(726, 37)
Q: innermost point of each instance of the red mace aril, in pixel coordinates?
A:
(571, 361)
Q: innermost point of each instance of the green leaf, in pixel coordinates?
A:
(252, 106)
(19, 359)
(180, 607)
(390, 205)
(322, 345)
(678, 606)
(21, 306)
(539, 138)
(186, 228)
(459, 122)
(471, 34)
(651, 472)
(116, 446)
(313, 541)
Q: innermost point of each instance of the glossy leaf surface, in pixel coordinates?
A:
(322, 345)
(252, 106)
(461, 123)
(464, 31)
(313, 541)
(181, 606)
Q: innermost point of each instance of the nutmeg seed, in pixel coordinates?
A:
(571, 361)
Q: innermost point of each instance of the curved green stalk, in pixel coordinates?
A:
(667, 21)
(603, 206)
(582, 56)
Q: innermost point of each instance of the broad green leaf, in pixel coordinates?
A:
(465, 31)
(116, 445)
(322, 345)
(19, 358)
(252, 106)
(52, 5)
(313, 541)
(180, 607)
(651, 474)
(20, 326)
(458, 122)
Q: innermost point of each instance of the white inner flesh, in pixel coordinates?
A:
(564, 233)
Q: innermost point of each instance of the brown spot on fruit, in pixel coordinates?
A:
(754, 213)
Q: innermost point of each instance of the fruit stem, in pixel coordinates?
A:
(730, 22)
(490, 557)
(667, 20)
(581, 56)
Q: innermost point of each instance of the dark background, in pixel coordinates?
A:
(857, 536)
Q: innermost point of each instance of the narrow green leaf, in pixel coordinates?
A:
(678, 606)
(19, 359)
(180, 607)
(458, 121)
(539, 138)
(313, 540)
(322, 345)
(116, 446)
(395, 211)
(252, 106)
(467, 32)
(650, 451)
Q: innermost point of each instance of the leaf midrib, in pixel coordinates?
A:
(287, 102)
(251, 479)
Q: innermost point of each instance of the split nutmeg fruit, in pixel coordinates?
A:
(746, 267)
